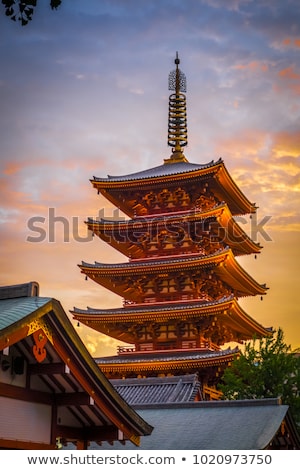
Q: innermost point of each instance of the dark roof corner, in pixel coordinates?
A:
(29, 289)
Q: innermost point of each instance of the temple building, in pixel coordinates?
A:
(181, 285)
(52, 393)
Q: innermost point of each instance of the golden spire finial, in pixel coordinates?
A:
(177, 129)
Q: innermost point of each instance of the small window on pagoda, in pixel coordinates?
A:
(189, 331)
(167, 332)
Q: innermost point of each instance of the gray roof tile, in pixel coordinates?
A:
(177, 389)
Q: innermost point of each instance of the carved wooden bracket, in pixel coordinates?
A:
(40, 340)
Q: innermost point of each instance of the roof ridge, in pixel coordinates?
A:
(215, 404)
(28, 289)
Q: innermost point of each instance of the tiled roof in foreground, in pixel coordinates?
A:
(222, 425)
(17, 309)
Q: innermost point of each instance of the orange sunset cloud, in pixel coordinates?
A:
(84, 92)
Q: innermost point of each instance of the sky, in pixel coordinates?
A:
(84, 92)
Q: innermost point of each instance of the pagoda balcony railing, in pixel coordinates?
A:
(204, 346)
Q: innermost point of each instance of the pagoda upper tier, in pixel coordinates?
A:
(174, 186)
(189, 231)
(184, 277)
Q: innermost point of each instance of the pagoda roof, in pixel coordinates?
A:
(234, 235)
(181, 172)
(168, 356)
(222, 262)
(177, 168)
(229, 310)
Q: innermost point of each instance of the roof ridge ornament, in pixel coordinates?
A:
(177, 123)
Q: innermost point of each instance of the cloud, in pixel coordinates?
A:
(99, 345)
(253, 66)
(287, 143)
(84, 91)
(289, 43)
(266, 166)
(290, 79)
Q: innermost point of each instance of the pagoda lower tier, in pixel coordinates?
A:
(208, 365)
(176, 325)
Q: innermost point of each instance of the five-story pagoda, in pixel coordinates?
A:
(181, 284)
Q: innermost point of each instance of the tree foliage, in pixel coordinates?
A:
(23, 10)
(266, 369)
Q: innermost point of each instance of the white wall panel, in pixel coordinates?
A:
(24, 421)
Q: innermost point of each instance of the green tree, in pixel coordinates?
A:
(22, 11)
(267, 368)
